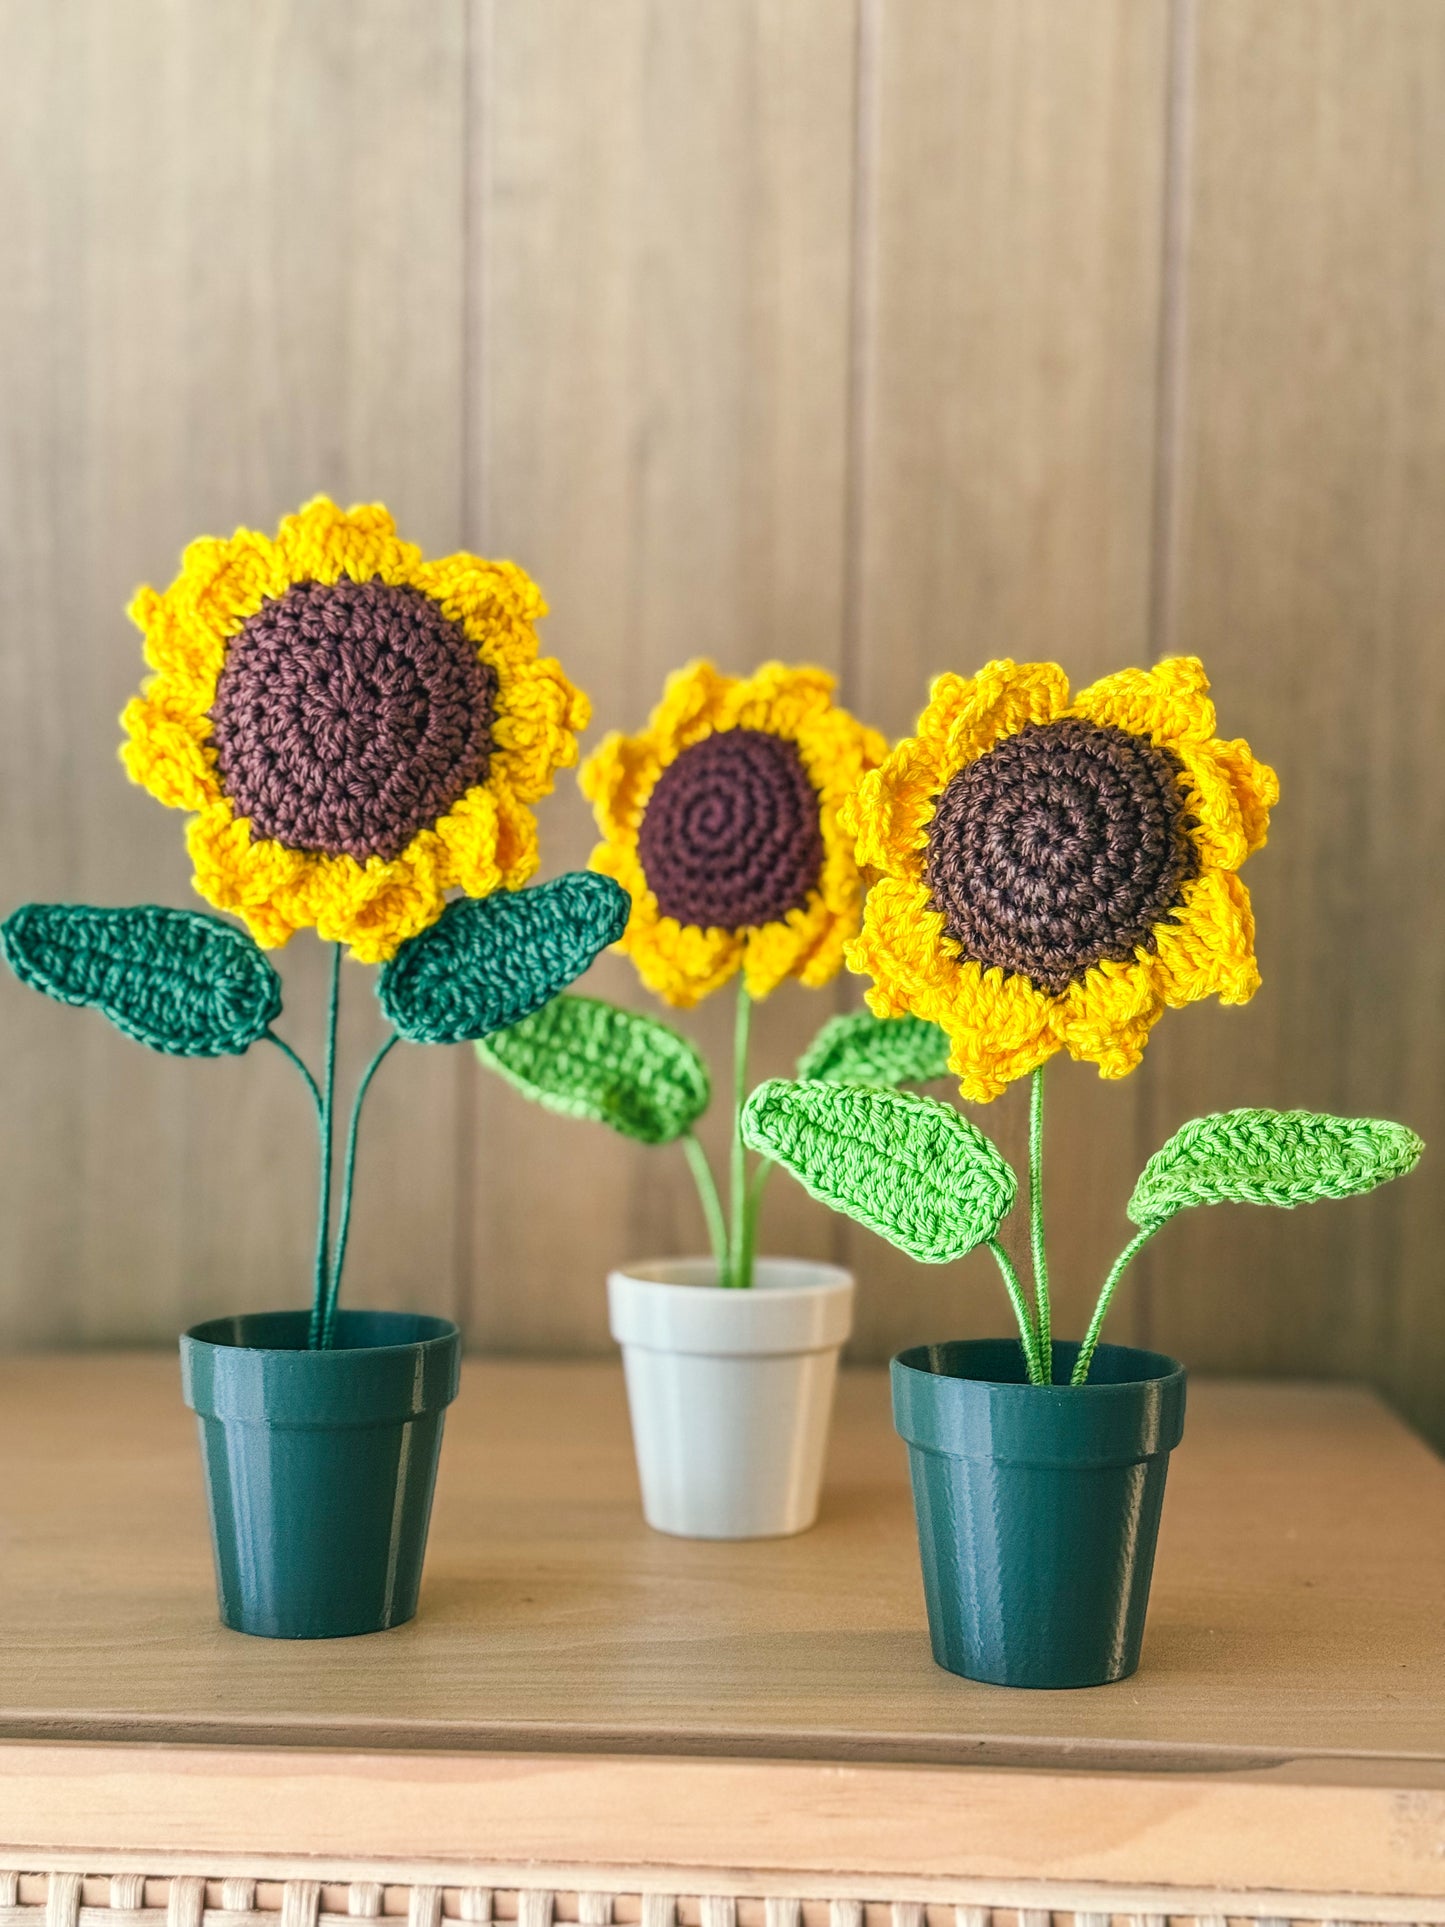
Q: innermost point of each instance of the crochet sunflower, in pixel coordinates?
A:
(1052, 873)
(359, 732)
(721, 821)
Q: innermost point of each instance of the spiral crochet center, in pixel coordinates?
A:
(731, 835)
(349, 715)
(1061, 847)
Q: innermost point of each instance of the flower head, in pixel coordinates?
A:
(1053, 874)
(357, 730)
(721, 821)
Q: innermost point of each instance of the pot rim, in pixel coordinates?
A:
(908, 1361)
(676, 1315)
(828, 1277)
(202, 1334)
(1118, 1422)
(341, 1387)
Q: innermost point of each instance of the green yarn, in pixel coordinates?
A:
(909, 1167)
(1270, 1157)
(588, 1059)
(863, 1049)
(488, 962)
(176, 980)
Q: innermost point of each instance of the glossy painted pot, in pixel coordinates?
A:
(1037, 1505)
(730, 1392)
(320, 1465)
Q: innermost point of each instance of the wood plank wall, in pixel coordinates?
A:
(890, 336)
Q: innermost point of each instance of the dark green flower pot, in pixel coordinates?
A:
(1037, 1505)
(320, 1465)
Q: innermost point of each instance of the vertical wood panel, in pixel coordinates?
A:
(1310, 574)
(1012, 224)
(230, 275)
(662, 247)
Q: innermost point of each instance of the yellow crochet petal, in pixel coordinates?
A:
(998, 1030)
(166, 755)
(693, 702)
(807, 944)
(890, 809)
(540, 716)
(900, 946)
(1218, 831)
(967, 715)
(682, 965)
(496, 602)
(465, 844)
(778, 699)
(998, 1027)
(248, 879)
(1206, 949)
(1106, 1018)
(617, 779)
(322, 543)
(375, 921)
(1256, 788)
(1169, 703)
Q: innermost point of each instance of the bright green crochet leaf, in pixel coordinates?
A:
(589, 1059)
(1270, 1157)
(177, 980)
(863, 1049)
(489, 962)
(910, 1168)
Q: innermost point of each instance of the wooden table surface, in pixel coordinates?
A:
(1298, 1605)
(1296, 1636)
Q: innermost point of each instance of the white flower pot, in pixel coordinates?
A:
(730, 1391)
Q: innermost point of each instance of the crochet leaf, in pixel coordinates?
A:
(908, 1167)
(863, 1049)
(1270, 1157)
(489, 962)
(177, 980)
(589, 1059)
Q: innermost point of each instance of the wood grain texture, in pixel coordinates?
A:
(1296, 1614)
(230, 276)
(894, 337)
(531, 1830)
(662, 255)
(1306, 567)
(1009, 304)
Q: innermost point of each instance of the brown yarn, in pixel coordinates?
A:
(731, 836)
(1059, 848)
(349, 715)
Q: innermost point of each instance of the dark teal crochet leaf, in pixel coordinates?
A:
(177, 980)
(616, 1067)
(908, 1167)
(1270, 1157)
(488, 962)
(863, 1049)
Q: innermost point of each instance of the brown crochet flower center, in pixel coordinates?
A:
(731, 835)
(350, 715)
(1062, 846)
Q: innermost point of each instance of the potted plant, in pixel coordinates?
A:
(720, 822)
(358, 732)
(1051, 874)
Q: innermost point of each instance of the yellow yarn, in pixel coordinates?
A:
(683, 962)
(486, 841)
(1002, 1026)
